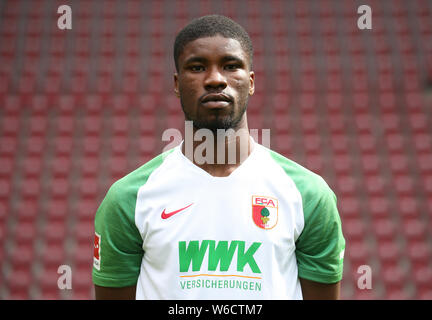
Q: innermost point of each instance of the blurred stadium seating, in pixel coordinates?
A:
(81, 108)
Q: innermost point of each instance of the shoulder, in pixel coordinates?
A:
(123, 192)
(306, 180)
(135, 179)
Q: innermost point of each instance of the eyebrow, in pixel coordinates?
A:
(195, 59)
(204, 60)
(233, 58)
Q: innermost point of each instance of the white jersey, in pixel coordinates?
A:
(178, 232)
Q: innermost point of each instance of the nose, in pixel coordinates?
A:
(215, 80)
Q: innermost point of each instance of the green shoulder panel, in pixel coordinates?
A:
(120, 243)
(320, 247)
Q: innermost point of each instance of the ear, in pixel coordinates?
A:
(252, 83)
(176, 85)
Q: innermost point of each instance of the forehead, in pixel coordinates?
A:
(213, 48)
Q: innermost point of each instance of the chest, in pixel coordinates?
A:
(213, 222)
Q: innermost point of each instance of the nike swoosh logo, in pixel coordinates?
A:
(166, 215)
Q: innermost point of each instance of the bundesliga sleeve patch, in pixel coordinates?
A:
(96, 257)
(265, 211)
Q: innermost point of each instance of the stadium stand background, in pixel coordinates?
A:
(81, 108)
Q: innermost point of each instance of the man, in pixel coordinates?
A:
(258, 227)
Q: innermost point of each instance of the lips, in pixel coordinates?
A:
(216, 100)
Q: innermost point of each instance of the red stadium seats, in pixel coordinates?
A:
(61, 166)
(27, 210)
(57, 211)
(22, 256)
(408, 207)
(86, 209)
(83, 254)
(371, 164)
(46, 281)
(53, 255)
(414, 229)
(358, 252)
(354, 229)
(349, 206)
(384, 229)
(423, 279)
(404, 185)
(59, 188)
(82, 283)
(419, 253)
(375, 185)
(18, 284)
(389, 251)
(346, 185)
(54, 233)
(24, 233)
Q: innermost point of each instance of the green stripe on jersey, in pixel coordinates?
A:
(120, 245)
(320, 246)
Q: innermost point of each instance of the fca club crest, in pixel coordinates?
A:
(265, 211)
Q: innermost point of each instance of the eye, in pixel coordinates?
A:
(232, 66)
(196, 68)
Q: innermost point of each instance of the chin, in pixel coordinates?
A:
(221, 123)
(217, 121)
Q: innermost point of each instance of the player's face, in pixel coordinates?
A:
(214, 83)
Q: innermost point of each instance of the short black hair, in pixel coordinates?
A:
(210, 26)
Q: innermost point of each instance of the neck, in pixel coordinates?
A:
(219, 153)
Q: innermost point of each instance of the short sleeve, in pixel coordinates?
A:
(320, 247)
(118, 243)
